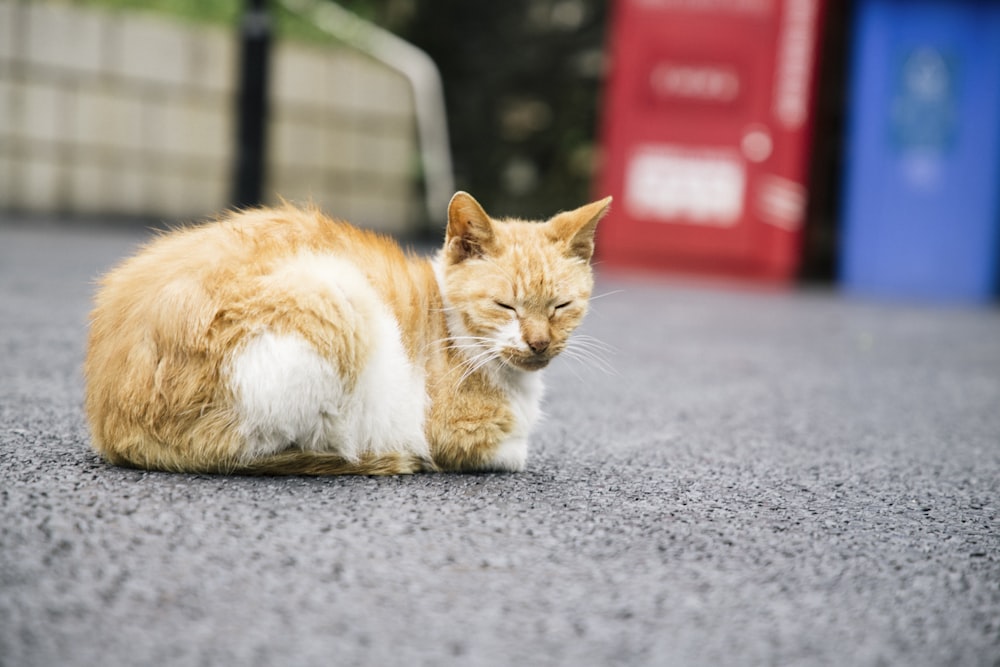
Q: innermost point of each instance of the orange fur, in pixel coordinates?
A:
(168, 322)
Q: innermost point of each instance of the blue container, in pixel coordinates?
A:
(922, 187)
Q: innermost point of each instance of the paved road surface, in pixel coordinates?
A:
(768, 479)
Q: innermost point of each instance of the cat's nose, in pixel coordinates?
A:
(538, 345)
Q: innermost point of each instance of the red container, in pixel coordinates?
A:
(707, 125)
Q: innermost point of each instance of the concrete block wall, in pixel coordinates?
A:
(120, 113)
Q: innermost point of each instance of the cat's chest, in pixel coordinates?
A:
(524, 399)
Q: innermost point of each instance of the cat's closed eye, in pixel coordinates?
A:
(563, 305)
(505, 306)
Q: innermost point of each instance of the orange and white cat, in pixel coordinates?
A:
(280, 341)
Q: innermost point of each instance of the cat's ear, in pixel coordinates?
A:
(470, 230)
(576, 228)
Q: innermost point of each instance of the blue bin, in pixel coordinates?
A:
(922, 186)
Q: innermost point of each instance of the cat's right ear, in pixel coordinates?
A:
(470, 230)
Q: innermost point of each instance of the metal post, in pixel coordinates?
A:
(251, 104)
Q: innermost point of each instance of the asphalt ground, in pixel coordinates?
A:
(765, 478)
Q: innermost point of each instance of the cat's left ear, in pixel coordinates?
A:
(576, 228)
(470, 230)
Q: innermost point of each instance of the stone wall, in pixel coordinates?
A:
(105, 112)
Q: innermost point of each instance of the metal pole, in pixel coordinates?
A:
(251, 104)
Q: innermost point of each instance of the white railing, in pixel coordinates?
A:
(425, 80)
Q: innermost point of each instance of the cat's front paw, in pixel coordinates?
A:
(509, 456)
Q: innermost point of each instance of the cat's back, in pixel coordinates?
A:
(240, 245)
(190, 273)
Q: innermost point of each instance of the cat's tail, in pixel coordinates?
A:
(289, 462)
(299, 462)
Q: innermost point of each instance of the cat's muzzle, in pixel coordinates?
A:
(534, 362)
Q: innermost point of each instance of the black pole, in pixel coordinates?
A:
(251, 104)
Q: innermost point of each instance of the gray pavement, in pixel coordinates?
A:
(769, 478)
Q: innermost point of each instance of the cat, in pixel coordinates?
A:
(280, 341)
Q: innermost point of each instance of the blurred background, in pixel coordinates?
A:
(771, 141)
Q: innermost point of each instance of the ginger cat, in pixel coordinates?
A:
(279, 341)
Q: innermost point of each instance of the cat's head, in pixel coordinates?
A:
(515, 290)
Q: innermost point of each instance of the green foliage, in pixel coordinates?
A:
(210, 11)
(220, 12)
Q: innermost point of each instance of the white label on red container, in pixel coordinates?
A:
(781, 202)
(695, 82)
(796, 43)
(669, 183)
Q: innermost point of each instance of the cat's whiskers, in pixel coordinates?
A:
(475, 363)
(592, 346)
(589, 352)
(611, 293)
(591, 361)
(452, 342)
(475, 338)
(572, 368)
(467, 342)
(477, 351)
(583, 340)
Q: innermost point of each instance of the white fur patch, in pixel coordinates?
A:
(509, 335)
(525, 391)
(510, 456)
(288, 394)
(390, 399)
(524, 394)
